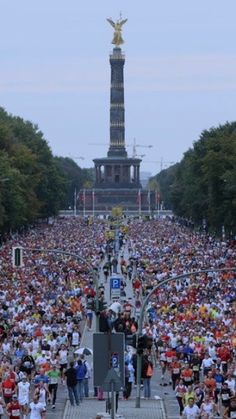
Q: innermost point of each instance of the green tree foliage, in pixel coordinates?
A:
(31, 185)
(75, 179)
(203, 184)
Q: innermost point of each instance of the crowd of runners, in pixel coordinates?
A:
(192, 321)
(44, 304)
(43, 307)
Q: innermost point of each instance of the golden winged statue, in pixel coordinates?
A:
(117, 38)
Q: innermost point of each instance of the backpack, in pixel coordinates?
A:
(149, 372)
(81, 371)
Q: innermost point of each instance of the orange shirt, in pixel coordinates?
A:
(175, 367)
(187, 374)
(210, 383)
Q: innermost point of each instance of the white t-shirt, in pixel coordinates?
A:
(191, 412)
(63, 356)
(36, 409)
(207, 362)
(42, 396)
(75, 339)
(23, 388)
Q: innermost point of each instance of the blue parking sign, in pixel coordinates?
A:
(114, 360)
(115, 283)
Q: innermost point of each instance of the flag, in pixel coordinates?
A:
(139, 197)
(157, 198)
(93, 200)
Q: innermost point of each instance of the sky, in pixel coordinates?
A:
(180, 73)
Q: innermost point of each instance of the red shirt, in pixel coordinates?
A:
(8, 388)
(224, 354)
(169, 355)
(13, 409)
(137, 284)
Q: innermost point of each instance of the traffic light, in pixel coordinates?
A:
(102, 305)
(141, 344)
(17, 257)
(149, 342)
(90, 304)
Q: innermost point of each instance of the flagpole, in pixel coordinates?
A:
(93, 196)
(139, 201)
(149, 201)
(84, 202)
(75, 197)
(158, 204)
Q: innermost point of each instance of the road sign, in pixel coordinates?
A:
(112, 378)
(108, 350)
(114, 360)
(115, 283)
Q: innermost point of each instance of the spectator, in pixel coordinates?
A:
(81, 371)
(147, 373)
(71, 382)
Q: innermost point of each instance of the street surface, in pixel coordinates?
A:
(162, 404)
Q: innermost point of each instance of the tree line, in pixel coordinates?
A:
(33, 183)
(202, 187)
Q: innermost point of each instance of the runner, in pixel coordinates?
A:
(23, 389)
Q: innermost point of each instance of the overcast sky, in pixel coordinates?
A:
(180, 72)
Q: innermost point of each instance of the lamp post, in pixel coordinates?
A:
(140, 322)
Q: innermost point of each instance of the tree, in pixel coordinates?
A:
(35, 186)
(203, 184)
(74, 178)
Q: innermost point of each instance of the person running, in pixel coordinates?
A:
(8, 388)
(191, 411)
(13, 408)
(63, 354)
(180, 391)
(54, 376)
(41, 392)
(187, 375)
(175, 368)
(23, 389)
(225, 394)
(208, 408)
(36, 408)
